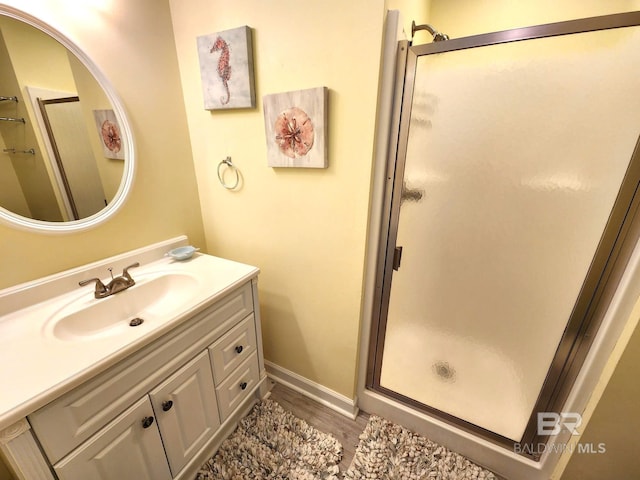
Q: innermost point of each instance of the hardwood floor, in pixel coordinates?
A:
(323, 418)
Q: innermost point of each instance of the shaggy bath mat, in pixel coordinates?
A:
(271, 443)
(389, 452)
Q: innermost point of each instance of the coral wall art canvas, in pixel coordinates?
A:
(226, 69)
(296, 128)
(109, 133)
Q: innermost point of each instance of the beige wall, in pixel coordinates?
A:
(305, 229)
(133, 45)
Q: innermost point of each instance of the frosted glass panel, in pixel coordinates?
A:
(516, 154)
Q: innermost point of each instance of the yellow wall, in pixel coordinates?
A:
(613, 424)
(33, 173)
(132, 43)
(461, 18)
(418, 11)
(305, 229)
(11, 195)
(92, 97)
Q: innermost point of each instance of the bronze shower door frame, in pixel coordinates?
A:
(42, 103)
(619, 237)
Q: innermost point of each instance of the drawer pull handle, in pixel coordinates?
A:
(239, 349)
(243, 385)
(166, 405)
(147, 422)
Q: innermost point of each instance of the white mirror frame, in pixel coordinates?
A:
(121, 195)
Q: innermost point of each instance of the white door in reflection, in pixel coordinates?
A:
(76, 158)
(515, 156)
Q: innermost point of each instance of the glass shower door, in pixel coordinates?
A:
(515, 155)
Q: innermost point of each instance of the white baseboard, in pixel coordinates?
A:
(321, 394)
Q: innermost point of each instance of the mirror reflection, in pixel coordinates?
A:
(62, 155)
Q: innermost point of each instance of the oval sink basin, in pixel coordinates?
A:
(149, 300)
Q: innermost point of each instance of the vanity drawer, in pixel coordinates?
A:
(237, 386)
(71, 419)
(232, 349)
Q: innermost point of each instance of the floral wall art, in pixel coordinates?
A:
(109, 133)
(226, 69)
(296, 128)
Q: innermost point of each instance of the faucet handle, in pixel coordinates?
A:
(125, 272)
(100, 288)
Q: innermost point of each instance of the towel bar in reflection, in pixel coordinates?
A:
(13, 151)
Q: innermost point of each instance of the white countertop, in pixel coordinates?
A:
(36, 367)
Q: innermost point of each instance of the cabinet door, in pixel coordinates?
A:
(186, 409)
(128, 447)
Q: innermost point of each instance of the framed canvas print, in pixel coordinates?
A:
(296, 128)
(109, 134)
(226, 69)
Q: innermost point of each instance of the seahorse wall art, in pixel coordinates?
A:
(226, 69)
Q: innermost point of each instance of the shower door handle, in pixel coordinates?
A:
(397, 257)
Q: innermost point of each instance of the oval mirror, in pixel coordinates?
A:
(67, 156)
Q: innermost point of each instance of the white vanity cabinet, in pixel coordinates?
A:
(178, 417)
(186, 411)
(123, 449)
(162, 411)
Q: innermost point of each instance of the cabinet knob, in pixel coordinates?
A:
(239, 349)
(243, 385)
(147, 422)
(166, 405)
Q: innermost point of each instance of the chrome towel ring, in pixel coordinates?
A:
(227, 161)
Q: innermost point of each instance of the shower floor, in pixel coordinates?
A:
(455, 375)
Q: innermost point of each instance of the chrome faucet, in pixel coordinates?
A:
(116, 284)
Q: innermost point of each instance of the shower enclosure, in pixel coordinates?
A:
(506, 210)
